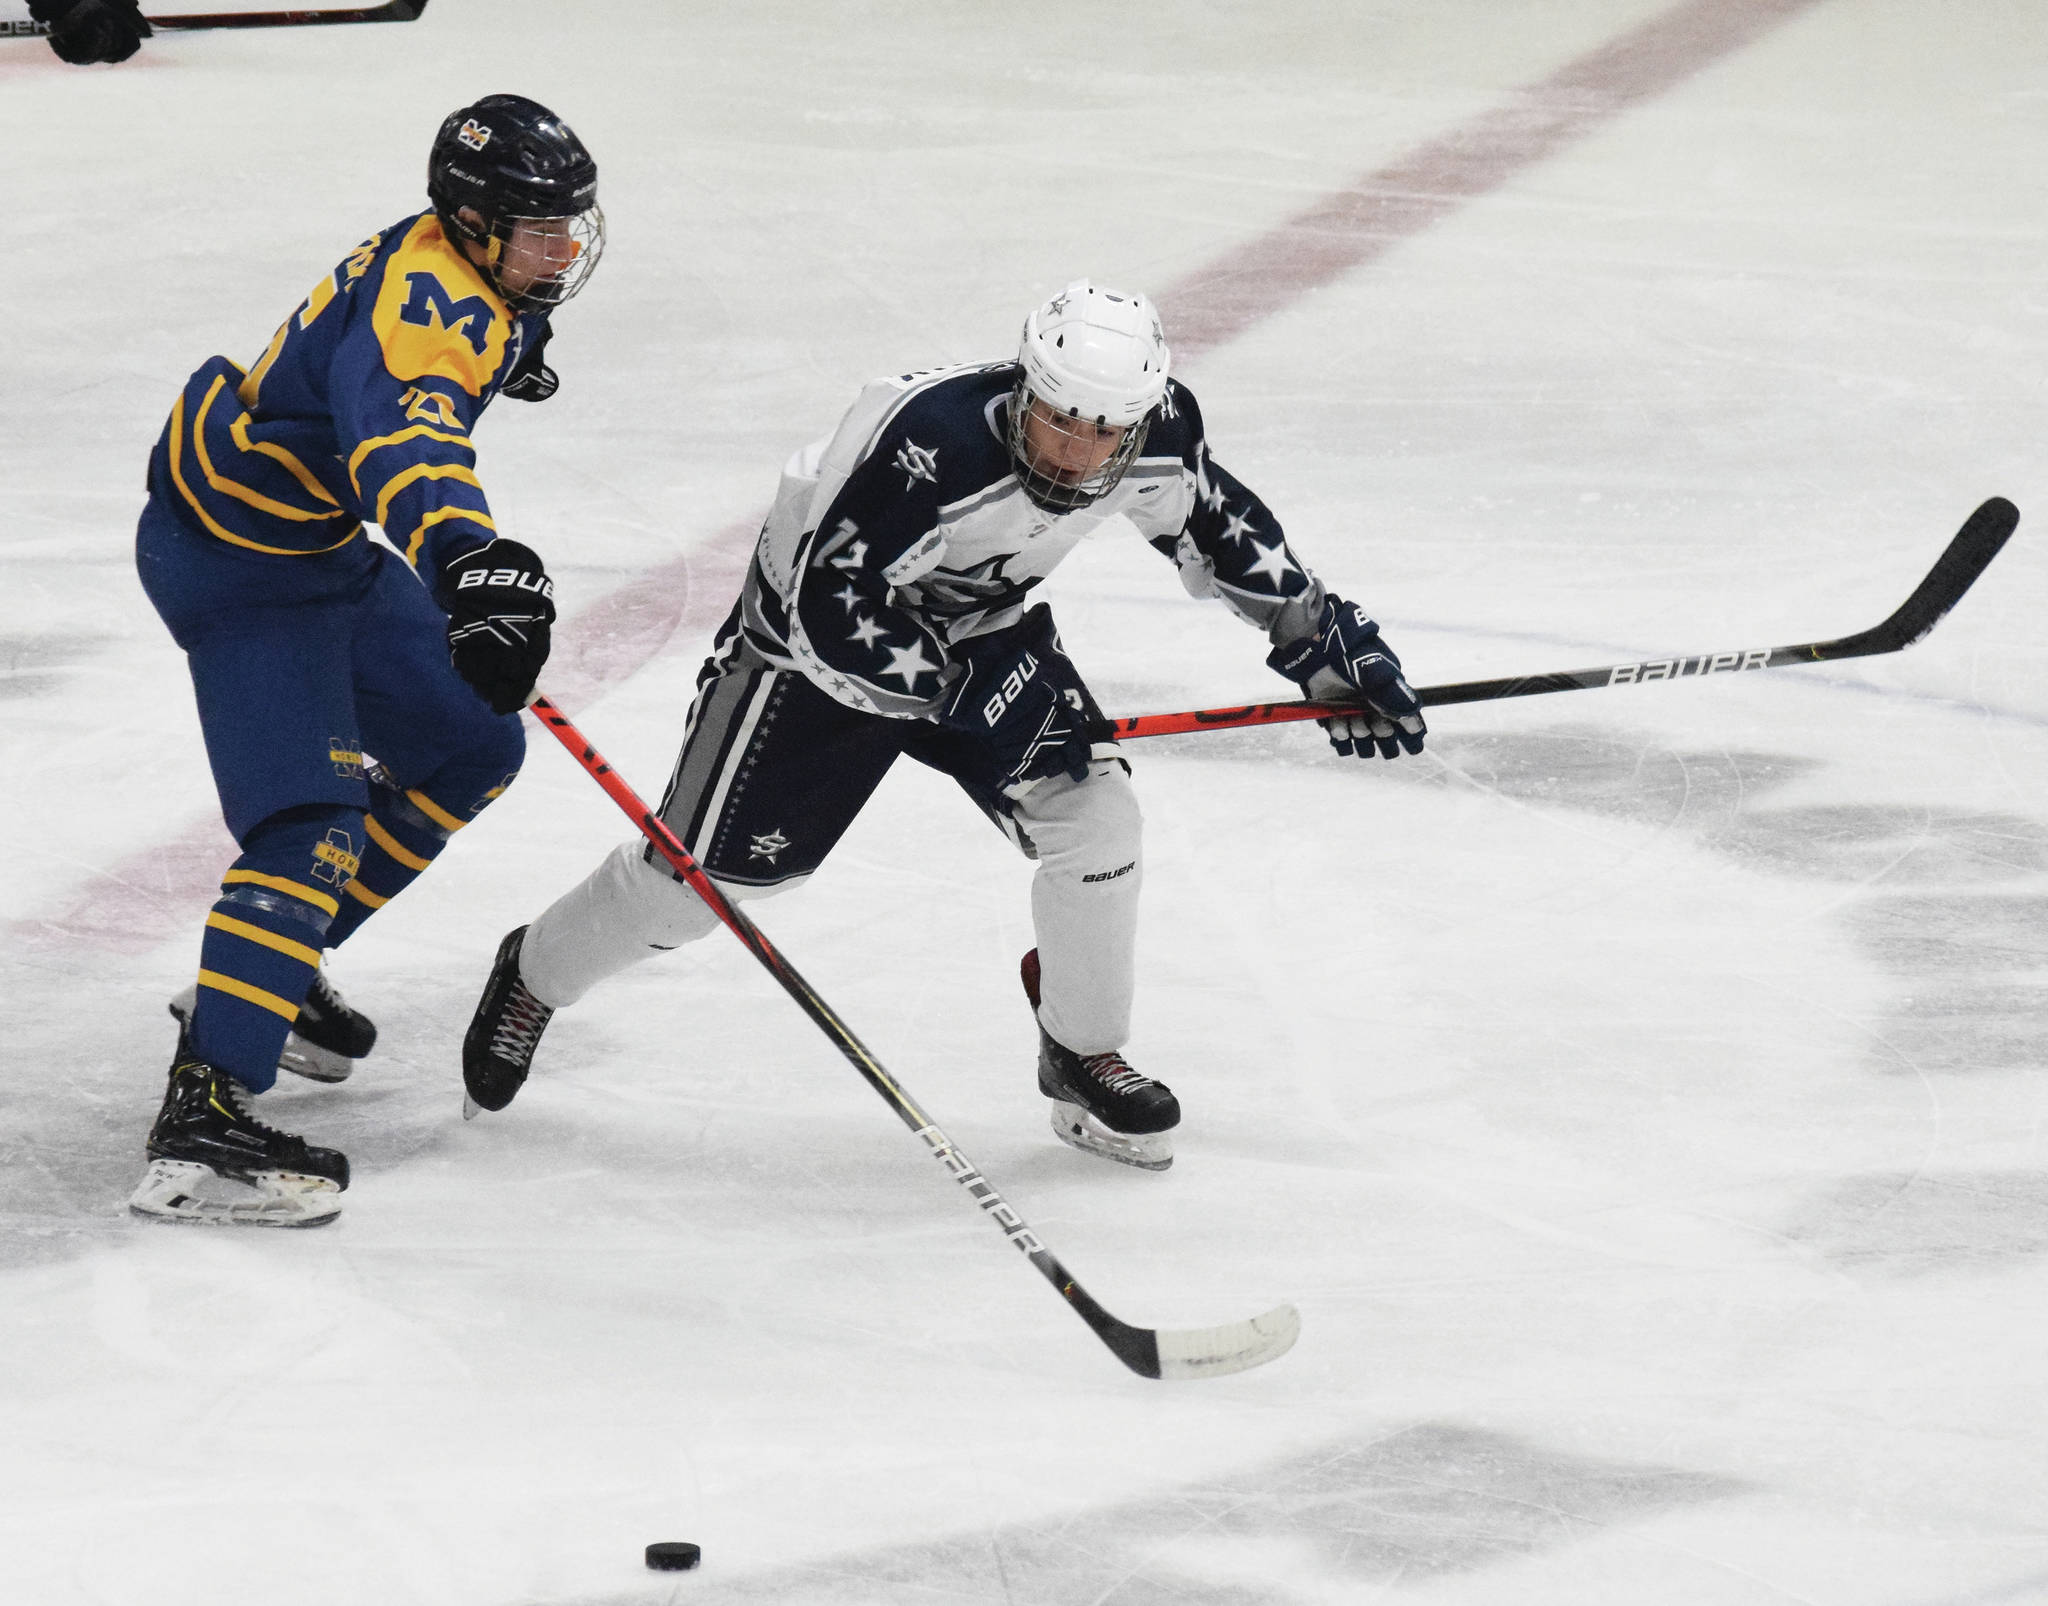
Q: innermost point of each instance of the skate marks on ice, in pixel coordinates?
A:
(1431, 1500)
(1954, 911)
(33, 665)
(1909, 1223)
(1970, 963)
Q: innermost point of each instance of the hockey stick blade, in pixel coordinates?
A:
(393, 11)
(1954, 572)
(1200, 1352)
(1218, 1351)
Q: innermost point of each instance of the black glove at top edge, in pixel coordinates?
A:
(86, 31)
(501, 609)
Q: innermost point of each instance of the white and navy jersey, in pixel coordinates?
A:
(906, 531)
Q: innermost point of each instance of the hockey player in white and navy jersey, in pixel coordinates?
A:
(888, 611)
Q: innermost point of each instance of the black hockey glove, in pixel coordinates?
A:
(1345, 658)
(84, 31)
(500, 605)
(532, 380)
(1023, 698)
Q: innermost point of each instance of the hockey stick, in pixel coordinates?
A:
(1967, 556)
(1150, 1352)
(393, 11)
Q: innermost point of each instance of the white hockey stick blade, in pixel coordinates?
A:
(470, 1108)
(1237, 1347)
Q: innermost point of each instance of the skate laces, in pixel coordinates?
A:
(1114, 1072)
(323, 999)
(224, 1090)
(520, 1027)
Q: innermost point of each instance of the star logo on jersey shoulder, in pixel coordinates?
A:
(1273, 563)
(909, 665)
(852, 598)
(1237, 526)
(917, 463)
(865, 631)
(768, 845)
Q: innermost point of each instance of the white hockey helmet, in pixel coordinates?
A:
(1093, 355)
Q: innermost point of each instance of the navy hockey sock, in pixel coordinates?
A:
(263, 938)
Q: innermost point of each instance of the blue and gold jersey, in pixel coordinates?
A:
(358, 412)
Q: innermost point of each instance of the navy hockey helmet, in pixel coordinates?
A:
(508, 161)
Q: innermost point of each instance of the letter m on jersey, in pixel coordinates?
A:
(430, 306)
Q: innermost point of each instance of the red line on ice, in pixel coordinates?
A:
(148, 896)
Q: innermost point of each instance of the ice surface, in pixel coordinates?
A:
(1641, 1095)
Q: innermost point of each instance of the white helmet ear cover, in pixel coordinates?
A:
(1096, 354)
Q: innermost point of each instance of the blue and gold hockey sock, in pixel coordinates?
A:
(263, 939)
(404, 833)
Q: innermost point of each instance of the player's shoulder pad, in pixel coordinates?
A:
(435, 316)
(947, 432)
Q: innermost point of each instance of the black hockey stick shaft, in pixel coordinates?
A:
(1137, 1347)
(1966, 557)
(394, 11)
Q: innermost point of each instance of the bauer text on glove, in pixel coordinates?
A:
(1023, 699)
(501, 607)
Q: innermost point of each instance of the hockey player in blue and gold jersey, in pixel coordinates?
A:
(312, 646)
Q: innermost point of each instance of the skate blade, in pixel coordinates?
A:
(186, 1191)
(1075, 1127)
(470, 1108)
(314, 1063)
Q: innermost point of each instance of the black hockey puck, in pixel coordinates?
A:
(673, 1556)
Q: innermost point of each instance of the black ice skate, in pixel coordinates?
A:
(326, 1040)
(212, 1161)
(1100, 1105)
(503, 1033)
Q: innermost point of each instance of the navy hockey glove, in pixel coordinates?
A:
(83, 31)
(532, 380)
(1023, 698)
(501, 606)
(1345, 658)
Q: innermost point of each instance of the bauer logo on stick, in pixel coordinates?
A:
(1717, 663)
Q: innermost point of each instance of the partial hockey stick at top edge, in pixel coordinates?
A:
(1156, 1353)
(393, 11)
(1966, 557)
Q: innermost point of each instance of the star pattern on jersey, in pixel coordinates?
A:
(768, 844)
(1207, 489)
(865, 631)
(1237, 526)
(1273, 562)
(852, 598)
(917, 463)
(909, 665)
